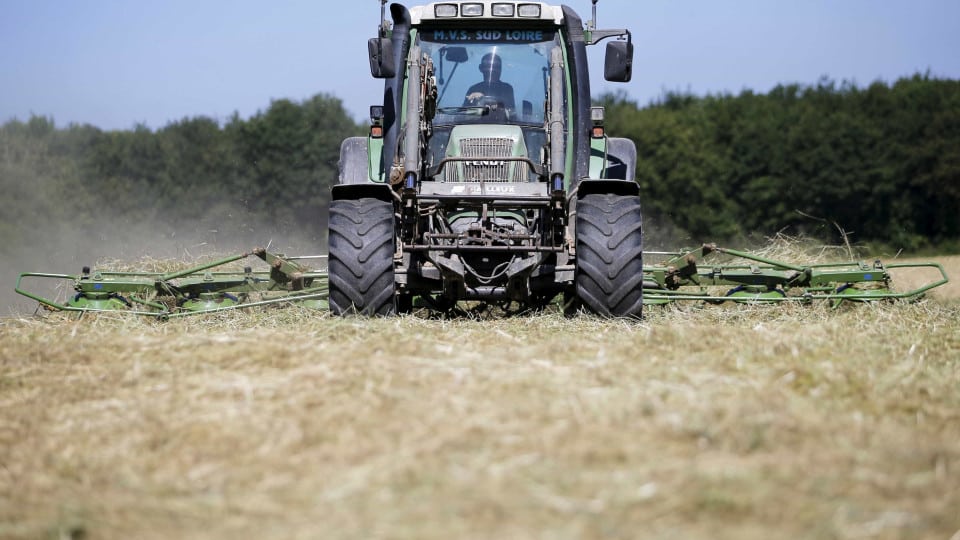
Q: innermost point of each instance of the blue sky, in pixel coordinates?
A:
(116, 63)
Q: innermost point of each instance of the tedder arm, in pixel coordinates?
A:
(198, 289)
(758, 279)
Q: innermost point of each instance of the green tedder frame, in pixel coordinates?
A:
(758, 279)
(198, 289)
(682, 276)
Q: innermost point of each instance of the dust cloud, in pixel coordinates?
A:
(59, 247)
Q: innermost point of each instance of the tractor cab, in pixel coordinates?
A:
(492, 88)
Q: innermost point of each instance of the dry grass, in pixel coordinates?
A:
(741, 422)
(698, 423)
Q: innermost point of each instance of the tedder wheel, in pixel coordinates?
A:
(360, 267)
(609, 278)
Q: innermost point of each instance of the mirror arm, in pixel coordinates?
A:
(383, 19)
(596, 36)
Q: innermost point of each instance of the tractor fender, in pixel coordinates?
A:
(621, 159)
(369, 190)
(589, 186)
(354, 161)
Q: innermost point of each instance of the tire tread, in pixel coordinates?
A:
(609, 279)
(361, 245)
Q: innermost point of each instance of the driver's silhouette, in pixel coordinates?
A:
(491, 87)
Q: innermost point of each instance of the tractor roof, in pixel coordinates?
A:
(486, 10)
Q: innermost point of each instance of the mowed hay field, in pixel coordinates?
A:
(746, 422)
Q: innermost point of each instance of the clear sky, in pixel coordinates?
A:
(116, 63)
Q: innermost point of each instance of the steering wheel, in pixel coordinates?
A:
(492, 103)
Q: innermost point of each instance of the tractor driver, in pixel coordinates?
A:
(491, 87)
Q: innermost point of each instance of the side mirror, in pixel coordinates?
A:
(380, 51)
(618, 63)
(457, 55)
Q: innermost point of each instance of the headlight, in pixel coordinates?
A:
(445, 10)
(502, 10)
(529, 10)
(471, 10)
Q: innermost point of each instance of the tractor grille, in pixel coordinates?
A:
(486, 168)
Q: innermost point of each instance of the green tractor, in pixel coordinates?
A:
(496, 185)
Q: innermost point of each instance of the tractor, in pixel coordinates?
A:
(498, 187)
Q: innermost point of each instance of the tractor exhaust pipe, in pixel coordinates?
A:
(411, 131)
(557, 148)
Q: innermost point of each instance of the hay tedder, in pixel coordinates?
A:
(498, 187)
(214, 287)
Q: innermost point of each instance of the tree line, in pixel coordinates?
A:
(881, 163)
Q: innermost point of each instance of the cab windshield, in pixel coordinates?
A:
(490, 76)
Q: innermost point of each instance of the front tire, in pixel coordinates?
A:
(609, 279)
(361, 246)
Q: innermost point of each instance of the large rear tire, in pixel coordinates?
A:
(361, 243)
(609, 278)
